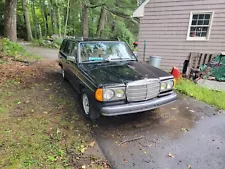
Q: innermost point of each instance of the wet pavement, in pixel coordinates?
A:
(185, 134)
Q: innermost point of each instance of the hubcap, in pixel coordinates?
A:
(86, 104)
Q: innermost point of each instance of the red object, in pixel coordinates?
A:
(135, 43)
(176, 73)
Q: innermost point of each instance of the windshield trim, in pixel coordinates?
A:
(79, 51)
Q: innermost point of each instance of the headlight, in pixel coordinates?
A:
(108, 94)
(167, 85)
(119, 93)
(163, 86)
(170, 84)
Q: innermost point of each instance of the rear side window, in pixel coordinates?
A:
(69, 48)
(63, 45)
(66, 49)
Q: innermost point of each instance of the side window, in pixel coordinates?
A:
(63, 45)
(66, 50)
(74, 50)
(70, 51)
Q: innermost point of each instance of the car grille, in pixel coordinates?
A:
(145, 89)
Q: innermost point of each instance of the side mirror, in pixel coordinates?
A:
(71, 58)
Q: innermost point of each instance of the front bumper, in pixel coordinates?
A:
(138, 106)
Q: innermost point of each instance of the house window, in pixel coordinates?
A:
(200, 26)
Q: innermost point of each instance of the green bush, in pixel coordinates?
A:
(17, 51)
(12, 49)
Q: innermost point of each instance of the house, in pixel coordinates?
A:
(172, 29)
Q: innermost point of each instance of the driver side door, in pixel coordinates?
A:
(72, 65)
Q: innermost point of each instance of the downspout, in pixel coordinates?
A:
(144, 50)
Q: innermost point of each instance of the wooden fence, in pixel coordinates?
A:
(198, 59)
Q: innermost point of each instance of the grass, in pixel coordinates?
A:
(215, 98)
(16, 51)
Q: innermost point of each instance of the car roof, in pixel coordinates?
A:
(82, 39)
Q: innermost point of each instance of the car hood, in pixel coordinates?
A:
(121, 72)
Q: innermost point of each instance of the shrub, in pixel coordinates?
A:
(53, 42)
(12, 49)
(17, 51)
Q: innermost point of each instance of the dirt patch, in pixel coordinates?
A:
(41, 125)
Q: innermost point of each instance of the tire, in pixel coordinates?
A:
(63, 74)
(88, 109)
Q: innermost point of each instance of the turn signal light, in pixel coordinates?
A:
(99, 95)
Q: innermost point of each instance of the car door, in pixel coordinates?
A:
(64, 51)
(72, 66)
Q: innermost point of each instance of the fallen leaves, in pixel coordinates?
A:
(189, 167)
(20, 73)
(125, 160)
(82, 148)
(170, 155)
(184, 129)
(92, 144)
(45, 112)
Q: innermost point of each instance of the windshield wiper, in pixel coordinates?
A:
(122, 59)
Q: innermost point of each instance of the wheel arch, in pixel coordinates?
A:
(60, 64)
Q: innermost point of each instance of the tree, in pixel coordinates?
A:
(34, 20)
(101, 21)
(84, 19)
(53, 11)
(10, 20)
(100, 18)
(27, 20)
(44, 16)
(67, 16)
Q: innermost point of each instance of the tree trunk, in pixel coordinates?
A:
(101, 22)
(59, 20)
(27, 20)
(40, 31)
(34, 20)
(10, 20)
(85, 20)
(67, 16)
(42, 5)
(53, 16)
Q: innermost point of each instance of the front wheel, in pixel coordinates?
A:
(88, 109)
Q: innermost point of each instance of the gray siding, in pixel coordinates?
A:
(165, 26)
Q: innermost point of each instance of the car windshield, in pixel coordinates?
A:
(105, 51)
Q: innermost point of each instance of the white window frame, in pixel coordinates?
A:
(209, 30)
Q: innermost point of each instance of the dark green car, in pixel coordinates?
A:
(110, 79)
